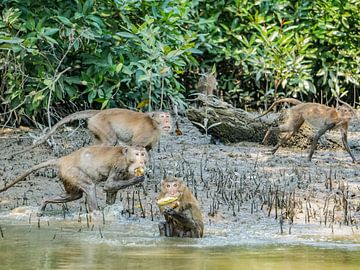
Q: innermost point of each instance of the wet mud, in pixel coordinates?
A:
(245, 193)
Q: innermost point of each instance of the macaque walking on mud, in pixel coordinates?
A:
(317, 115)
(113, 126)
(80, 171)
(181, 210)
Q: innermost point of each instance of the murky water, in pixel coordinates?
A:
(135, 244)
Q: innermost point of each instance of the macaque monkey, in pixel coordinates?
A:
(80, 171)
(113, 126)
(317, 115)
(183, 217)
(207, 84)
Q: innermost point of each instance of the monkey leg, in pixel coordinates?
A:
(346, 145)
(63, 198)
(104, 133)
(115, 185)
(111, 197)
(291, 126)
(267, 135)
(281, 142)
(317, 137)
(76, 180)
(90, 191)
(165, 229)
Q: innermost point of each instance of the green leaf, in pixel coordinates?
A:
(119, 67)
(126, 35)
(65, 21)
(51, 31)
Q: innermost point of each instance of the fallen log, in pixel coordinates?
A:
(232, 125)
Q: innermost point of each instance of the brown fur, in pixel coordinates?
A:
(317, 115)
(207, 84)
(113, 126)
(185, 220)
(83, 169)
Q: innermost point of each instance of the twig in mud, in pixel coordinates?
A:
(141, 207)
(1, 232)
(151, 212)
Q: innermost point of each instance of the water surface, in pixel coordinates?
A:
(68, 244)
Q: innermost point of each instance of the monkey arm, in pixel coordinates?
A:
(183, 218)
(113, 185)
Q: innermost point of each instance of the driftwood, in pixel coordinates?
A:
(237, 125)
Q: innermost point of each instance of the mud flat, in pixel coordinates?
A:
(246, 195)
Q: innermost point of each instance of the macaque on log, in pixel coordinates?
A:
(181, 210)
(207, 84)
(116, 126)
(317, 115)
(117, 166)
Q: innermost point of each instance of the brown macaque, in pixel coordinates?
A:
(116, 126)
(183, 217)
(207, 84)
(83, 169)
(317, 115)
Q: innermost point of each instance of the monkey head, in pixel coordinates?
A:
(163, 120)
(136, 157)
(172, 186)
(346, 112)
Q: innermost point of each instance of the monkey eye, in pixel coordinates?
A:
(175, 185)
(167, 185)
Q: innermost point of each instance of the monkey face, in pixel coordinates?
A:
(137, 158)
(346, 112)
(172, 188)
(164, 121)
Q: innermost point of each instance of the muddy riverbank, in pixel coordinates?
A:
(241, 189)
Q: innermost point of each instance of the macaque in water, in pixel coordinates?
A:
(117, 126)
(181, 210)
(319, 116)
(117, 166)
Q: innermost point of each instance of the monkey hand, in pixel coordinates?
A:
(169, 211)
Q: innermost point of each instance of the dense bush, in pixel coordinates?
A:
(148, 54)
(263, 49)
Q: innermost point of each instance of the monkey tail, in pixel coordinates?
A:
(283, 100)
(72, 117)
(44, 164)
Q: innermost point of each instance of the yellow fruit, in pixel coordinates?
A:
(166, 200)
(139, 171)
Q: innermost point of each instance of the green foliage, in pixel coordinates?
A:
(104, 53)
(264, 49)
(147, 54)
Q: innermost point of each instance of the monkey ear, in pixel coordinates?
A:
(125, 150)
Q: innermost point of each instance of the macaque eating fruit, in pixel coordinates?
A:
(113, 126)
(117, 166)
(181, 210)
(317, 115)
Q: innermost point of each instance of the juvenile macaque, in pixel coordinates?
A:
(181, 210)
(113, 126)
(317, 115)
(207, 84)
(80, 171)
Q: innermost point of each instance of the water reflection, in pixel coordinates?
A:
(136, 245)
